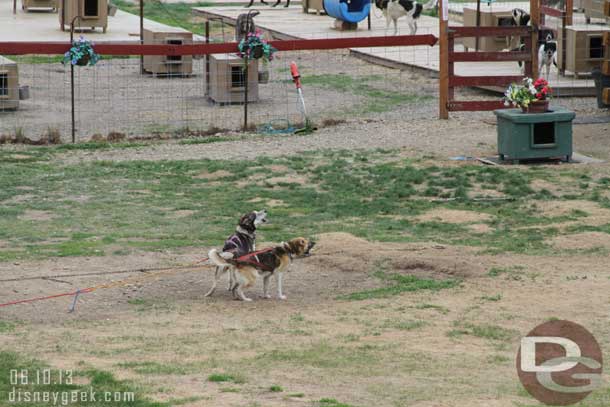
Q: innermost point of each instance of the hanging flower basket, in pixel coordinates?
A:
(531, 97)
(81, 54)
(254, 46)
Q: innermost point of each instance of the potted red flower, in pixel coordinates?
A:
(531, 97)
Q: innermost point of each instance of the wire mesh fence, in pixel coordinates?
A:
(178, 95)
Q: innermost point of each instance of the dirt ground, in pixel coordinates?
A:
(423, 348)
(167, 320)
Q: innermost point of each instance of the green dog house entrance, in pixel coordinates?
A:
(524, 136)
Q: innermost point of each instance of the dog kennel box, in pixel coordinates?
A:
(317, 5)
(525, 136)
(167, 64)
(227, 79)
(93, 13)
(494, 16)
(9, 84)
(594, 8)
(584, 49)
(48, 4)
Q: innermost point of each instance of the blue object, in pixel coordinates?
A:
(352, 11)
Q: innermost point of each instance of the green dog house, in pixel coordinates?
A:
(527, 136)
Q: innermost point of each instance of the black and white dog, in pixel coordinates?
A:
(547, 50)
(243, 241)
(394, 9)
(547, 55)
(265, 3)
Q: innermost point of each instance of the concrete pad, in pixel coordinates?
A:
(44, 26)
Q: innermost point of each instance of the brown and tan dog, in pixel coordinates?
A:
(266, 263)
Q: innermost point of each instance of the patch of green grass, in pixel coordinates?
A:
(377, 99)
(399, 284)
(101, 382)
(404, 325)
(205, 140)
(155, 368)
(7, 326)
(296, 395)
(328, 402)
(276, 389)
(95, 146)
(492, 298)
(374, 195)
(229, 390)
(439, 308)
(175, 15)
(486, 331)
(224, 377)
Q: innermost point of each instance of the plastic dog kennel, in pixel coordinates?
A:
(227, 79)
(48, 4)
(348, 13)
(317, 5)
(594, 8)
(167, 64)
(490, 17)
(93, 13)
(584, 48)
(9, 84)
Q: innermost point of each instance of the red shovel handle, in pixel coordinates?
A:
(296, 76)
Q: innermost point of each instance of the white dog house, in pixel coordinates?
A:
(227, 79)
(26, 5)
(584, 48)
(491, 16)
(93, 13)
(167, 64)
(9, 84)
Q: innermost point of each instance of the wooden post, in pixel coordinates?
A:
(443, 46)
(476, 40)
(535, 21)
(142, 35)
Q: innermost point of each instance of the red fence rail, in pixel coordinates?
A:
(133, 48)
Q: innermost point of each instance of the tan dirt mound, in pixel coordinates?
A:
(582, 241)
(348, 253)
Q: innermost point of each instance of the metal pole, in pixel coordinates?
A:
(72, 82)
(141, 34)
(246, 95)
(14, 6)
(207, 59)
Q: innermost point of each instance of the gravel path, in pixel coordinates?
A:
(455, 137)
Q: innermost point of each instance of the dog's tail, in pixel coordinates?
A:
(219, 259)
(430, 4)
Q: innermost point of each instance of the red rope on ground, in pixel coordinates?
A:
(86, 290)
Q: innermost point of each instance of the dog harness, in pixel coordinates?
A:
(252, 259)
(238, 243)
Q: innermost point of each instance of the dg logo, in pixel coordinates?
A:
(559, 363)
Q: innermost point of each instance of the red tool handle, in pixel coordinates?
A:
(296, 76)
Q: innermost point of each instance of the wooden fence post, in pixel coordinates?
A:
(443, 46)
